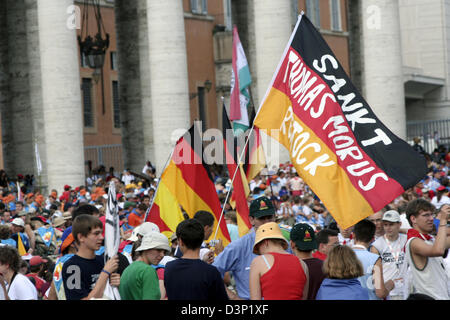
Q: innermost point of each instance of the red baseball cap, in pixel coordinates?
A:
(37, 260)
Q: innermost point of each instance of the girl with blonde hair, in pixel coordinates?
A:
(342, 269)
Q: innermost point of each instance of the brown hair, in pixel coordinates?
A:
(415, 206)
(10, 256)
(232, 216)
(83, 224)
(342, 263)
(5, 232)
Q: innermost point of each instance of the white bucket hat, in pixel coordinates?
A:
(142, 230)
(18, 222)
(154, 240)
(147, 227)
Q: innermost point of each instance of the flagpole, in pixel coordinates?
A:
(234, 176)
(157, 186)
(257, 112)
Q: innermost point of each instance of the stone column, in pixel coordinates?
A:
(272, 30)
(61, 95)
(8, 161)
(382, 78)
(127, 29)
(18, 144)
(35, 94)
(168, 75)
(144, 64)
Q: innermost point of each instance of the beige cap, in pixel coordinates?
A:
(18, 222)
(154, 240)
(391, 216)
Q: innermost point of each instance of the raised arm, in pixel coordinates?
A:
(441, 242)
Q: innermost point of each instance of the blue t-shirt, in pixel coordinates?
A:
(9, 242)
(341, 289)
(237, 258)
(368, 260)
(80, 275)
(233, 230)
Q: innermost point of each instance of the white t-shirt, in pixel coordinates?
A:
(307, 211)
(126, 179)
(22, 289)
(2, 295)
(447, 269)
(296, 208)
(431, 280)
(438, 204)
(405, 222)
(392, 257)
(345, 241)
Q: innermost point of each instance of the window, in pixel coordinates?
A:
(199, 7)
(116, 106)
(88, 109)
(336, 15)
(313, 12)
(294, 12)
(202, 107)
(84, 61)
(228, 19)
(113, 60)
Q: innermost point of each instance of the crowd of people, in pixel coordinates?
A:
(52, 247)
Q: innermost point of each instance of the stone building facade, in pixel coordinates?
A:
(169, 63)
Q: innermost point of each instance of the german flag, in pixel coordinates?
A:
(255, 159)
(186, 182)
(241, 189)
(351, 160)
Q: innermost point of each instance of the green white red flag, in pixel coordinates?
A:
(240, 83)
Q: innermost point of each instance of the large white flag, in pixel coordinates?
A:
(112, 235)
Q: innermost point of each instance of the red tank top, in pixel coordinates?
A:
(285, 280)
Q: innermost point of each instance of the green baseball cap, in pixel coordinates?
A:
(129, 204)
(304, 237)
(261, 207)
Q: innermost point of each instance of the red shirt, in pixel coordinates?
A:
(39, 281)
(285, 280)
(319, 255)
(134, 220)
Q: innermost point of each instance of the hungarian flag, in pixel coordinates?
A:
(186, 182)
(351, 161)
(241, 189)
(240, 83)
